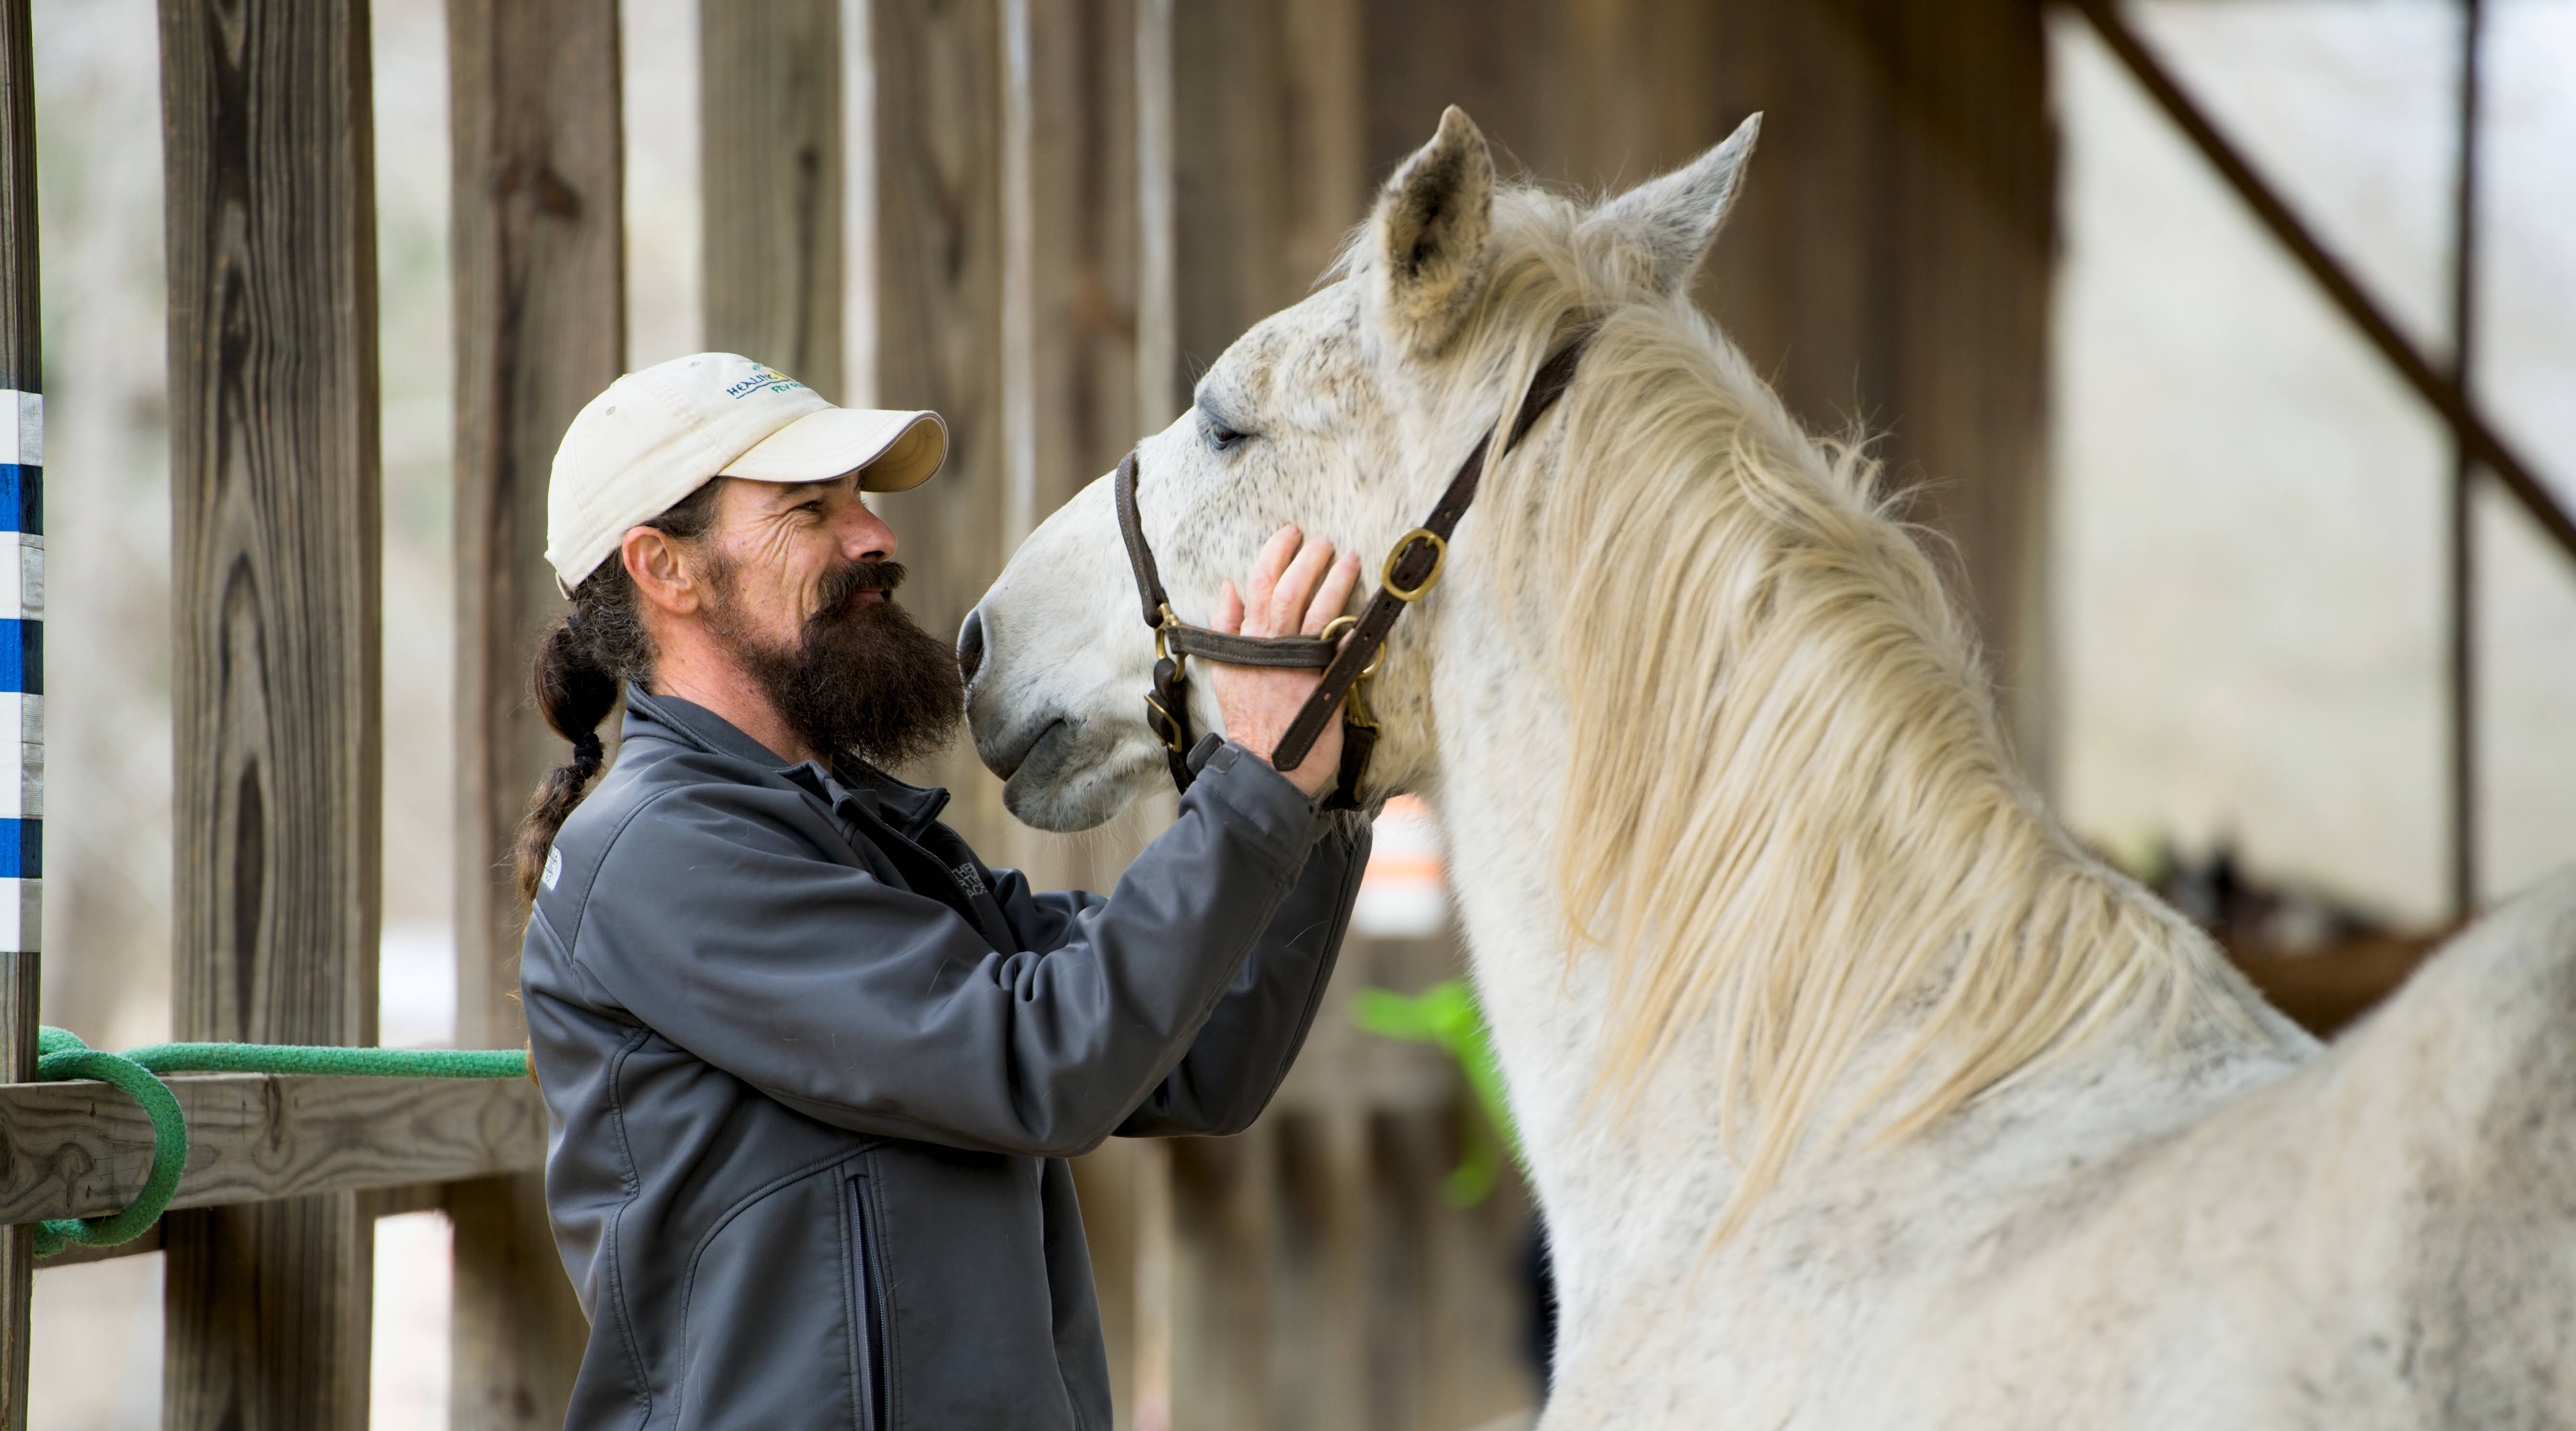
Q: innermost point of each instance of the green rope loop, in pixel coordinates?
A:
(62, 1057)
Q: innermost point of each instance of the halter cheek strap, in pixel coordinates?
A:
(1351, 648)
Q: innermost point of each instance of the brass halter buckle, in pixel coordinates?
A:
(1355, 706)
(1430, 579)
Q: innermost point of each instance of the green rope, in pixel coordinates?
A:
(62, 1056)
(1446, 1014)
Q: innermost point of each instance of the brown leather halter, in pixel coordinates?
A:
(1350, 648)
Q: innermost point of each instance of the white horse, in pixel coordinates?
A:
(1856, 1094)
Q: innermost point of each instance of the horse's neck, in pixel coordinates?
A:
(1497, 800)
(1632, 1185)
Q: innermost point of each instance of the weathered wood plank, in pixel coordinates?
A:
(539, 251)
(21, 378)
(772, 176)
(373, 1203)
(268, 176)
(1268, 157)
(81, 1149)
(938, 171)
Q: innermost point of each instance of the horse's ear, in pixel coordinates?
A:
(1673, 220)
(1427, 238)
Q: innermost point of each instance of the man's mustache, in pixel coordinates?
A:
(844, 585)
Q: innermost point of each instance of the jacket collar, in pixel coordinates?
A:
(907, 808)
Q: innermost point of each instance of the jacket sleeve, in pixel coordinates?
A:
(713, 922)
(1243, 1050)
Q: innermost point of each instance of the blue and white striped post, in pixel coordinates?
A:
(22, 670)
(22, 460)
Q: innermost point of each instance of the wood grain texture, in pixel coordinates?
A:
(275, 579)
(21, 370)
(772, 172)
(1269, 158)
(81, 1149)
(939, 255)
(539, 251)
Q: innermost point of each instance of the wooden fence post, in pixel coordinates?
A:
(275, 560)
(938, 174)
(770, 117)
(22, 456)
(539, 259)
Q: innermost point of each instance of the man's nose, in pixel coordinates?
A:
(868, 537)
(970, 644)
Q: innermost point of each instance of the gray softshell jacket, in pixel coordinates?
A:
(812, 1071)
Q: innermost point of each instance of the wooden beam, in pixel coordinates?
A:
(268, 175)
(81, 1149)
(2468, 425)
(938, 176)
(372, 1204)
(772, 163)
(539, 253)
(1268, 159)
(22, 426)
(2460, 683)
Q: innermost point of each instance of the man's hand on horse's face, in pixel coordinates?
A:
(1296, 588)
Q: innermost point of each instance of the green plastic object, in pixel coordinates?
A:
(62, 1057)
(1446, 1014)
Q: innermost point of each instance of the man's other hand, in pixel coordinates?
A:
(1296, 589)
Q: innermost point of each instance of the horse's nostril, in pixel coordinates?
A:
(970, 643)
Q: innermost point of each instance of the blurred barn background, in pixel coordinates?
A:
(2262, 632)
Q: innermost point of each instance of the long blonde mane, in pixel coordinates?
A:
(1789, 813)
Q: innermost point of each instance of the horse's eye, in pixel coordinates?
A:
(1222, 438)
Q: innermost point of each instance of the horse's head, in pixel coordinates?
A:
(1344, 414)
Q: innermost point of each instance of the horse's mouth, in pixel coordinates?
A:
(1060, 780)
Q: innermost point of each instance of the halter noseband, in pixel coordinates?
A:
(1351, 647)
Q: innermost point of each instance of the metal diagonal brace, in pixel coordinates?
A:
(2366, 313)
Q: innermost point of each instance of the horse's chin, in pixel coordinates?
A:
(1067, 783)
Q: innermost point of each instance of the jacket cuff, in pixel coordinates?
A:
(1256, 795)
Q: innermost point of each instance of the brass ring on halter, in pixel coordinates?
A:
(1340, 624)
(1430, 579)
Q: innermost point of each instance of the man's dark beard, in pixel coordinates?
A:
(862, 679)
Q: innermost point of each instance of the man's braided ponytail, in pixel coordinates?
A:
(583, 665)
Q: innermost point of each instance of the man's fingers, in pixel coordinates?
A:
(1297, 587)
(1229, 610)
(1266, 569)
(1333, 595)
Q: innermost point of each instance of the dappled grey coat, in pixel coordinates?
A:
(812, 1071)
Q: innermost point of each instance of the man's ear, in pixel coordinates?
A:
(1427, 238)
(662, 575)
(1672, 221)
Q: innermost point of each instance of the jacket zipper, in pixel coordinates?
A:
(874, 1416)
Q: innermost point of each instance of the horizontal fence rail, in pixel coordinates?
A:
(81, 1149)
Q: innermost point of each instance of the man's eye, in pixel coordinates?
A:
(815, 506)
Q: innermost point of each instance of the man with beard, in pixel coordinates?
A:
(812, 1068)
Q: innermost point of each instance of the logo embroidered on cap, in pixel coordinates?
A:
(762, 379)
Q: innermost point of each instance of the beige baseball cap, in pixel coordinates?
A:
(655, 436)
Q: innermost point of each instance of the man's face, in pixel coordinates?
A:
(780, 542)
(801, 580)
